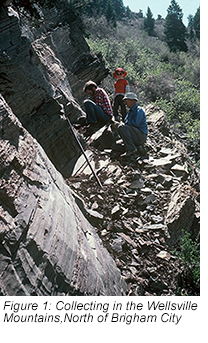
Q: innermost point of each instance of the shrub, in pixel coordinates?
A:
(186, 98)
(158, 86)
(190, 255)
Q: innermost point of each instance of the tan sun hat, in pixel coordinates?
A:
(130, 96)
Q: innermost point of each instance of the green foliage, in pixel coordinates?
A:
(149, 22)
(194, 25)
(175, 30)
(113, 10)
(140, 14)
(171, 80)
(110, 13)
(190, 255)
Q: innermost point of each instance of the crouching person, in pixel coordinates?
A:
(98, 110)
(134, 130)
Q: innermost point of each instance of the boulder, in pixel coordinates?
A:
(180, 214)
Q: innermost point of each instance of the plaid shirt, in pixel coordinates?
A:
(101, 99)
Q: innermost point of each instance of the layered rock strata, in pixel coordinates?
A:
(47, 245)
(41, 76)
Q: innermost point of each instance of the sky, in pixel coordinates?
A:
(160, 7)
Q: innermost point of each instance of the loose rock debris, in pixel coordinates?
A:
(141, 210)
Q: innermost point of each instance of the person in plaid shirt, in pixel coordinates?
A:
(98, 110)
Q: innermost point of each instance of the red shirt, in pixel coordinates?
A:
(101, 99)
(120, 86)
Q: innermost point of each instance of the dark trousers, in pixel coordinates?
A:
(132, 136)
(118, 101)
(95, 114)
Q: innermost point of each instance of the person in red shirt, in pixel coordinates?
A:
(121, 88)
(98, 110)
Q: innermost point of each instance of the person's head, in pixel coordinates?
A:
(119, 73)
(90, 87)
(130, 99)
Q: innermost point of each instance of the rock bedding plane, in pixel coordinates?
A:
(47, 245)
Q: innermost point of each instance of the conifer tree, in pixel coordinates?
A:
(149, 22)
(190, 26)
(128, 12)
(110, 13)
(119, 8)
(196, 23)
(140, 14)
(175, 30)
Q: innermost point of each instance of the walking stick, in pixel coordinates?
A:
(82, 150)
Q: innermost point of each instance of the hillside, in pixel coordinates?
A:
(169, 80)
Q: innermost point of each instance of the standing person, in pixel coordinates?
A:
(98, 110)
(121, 88)
(134, 131)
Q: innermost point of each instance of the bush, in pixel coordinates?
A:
(158, 86)
(190, 255)
(186, 98)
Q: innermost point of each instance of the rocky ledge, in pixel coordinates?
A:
(143, 207)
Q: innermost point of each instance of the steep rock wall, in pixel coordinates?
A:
(47, 245)
(41, 75)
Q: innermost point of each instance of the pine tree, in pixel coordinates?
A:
(196, 23)
(190, 26)
(119, 8)
(110, 13)
(140, 14)
(128, 12)
(149, 22)
(175, 30)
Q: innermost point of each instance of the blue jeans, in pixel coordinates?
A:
(94, 113)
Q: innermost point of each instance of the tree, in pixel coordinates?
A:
(190, 26)
(175, 30)
(149, 22)
(110, 13)
(119, 8)
(128, 12)
(196, 23)
(140, 14)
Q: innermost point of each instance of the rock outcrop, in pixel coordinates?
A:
(47, 245)
(42, 73)
(144, 205)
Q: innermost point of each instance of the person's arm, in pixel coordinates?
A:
(98, 98)
(102, 100)
(127, 88)
(107, 105)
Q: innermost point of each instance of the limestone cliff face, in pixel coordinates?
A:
(41, 76)
(47, 245)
